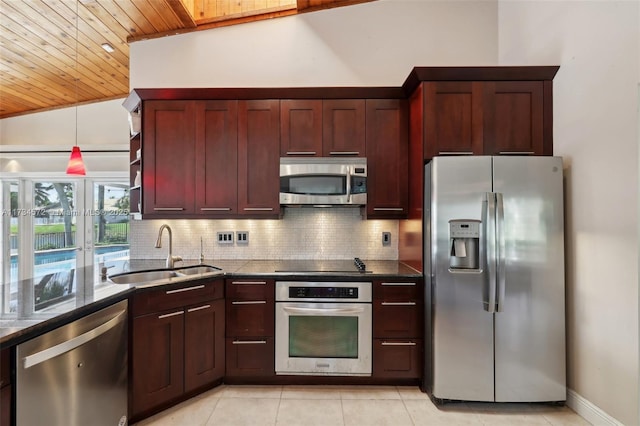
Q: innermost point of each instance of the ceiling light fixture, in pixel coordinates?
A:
(76, 165)
(108, 47)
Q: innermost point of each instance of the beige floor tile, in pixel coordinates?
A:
(310, 412)
(369, 392)
(237, 391)
(244, 412)
(411, 392)
(193, 412)
(311, 392)
(564, 416)
(512, 418)
(423, 412)
(378, 412)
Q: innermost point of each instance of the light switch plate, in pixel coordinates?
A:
(225, 237)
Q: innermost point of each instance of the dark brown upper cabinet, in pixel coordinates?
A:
(387, 158)
(482, 110)
(258, 158)
(300, 127)
(343, 127)
(168, 158)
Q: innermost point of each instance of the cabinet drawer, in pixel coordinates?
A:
(401, 290)
(250, 357)
(173, 297)
(397, 319)
(254, 289)
(397, 358)
(250, 317)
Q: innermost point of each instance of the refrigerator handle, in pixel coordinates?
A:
(501, 252)
(489, 227)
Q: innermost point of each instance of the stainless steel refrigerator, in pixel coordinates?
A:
(494, 264)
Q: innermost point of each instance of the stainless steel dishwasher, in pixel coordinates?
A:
(75, 375)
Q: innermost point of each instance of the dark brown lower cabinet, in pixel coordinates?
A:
(158, 359)
(248, 357)
(178, 350)
(250, 327)
(397, 358)
(203, 344)
(398, 329)
(5, 386)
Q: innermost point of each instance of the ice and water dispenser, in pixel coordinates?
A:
(464, 240)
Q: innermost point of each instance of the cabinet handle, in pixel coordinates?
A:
(249, 342)
(250, 302)
(398, 343)
(398, 284)
(388, 209)
(398, 303)
(215, 209)
(248, 282)
(168, 209)
(180, 290)
(301, 153)
(516, 153)
(455, 153)
(199, 308)
(173, 314)
(344, 153)
(258, 209)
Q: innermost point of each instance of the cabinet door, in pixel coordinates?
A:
(453, 118)
(216, 158)
(513, 117)
(157, 359)
(203, 344)
(397, 359)
(343, 127)
(300, 127)
(258, 158)
(168, 159)
(387, 158)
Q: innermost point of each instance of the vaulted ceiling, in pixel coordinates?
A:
(51, 53)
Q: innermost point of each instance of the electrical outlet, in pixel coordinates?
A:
(242, 237)
(386, 238)
(225, 237)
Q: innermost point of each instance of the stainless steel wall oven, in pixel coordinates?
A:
(323, 328)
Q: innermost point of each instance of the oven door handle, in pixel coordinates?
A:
(350, 310)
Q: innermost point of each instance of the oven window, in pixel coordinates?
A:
(314, 185)
(323, 337)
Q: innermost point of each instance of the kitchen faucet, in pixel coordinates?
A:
(170, 257)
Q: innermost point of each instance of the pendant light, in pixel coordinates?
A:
(76, 165)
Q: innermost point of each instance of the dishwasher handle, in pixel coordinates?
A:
(66, 346)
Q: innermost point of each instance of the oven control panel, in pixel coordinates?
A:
(323, 292)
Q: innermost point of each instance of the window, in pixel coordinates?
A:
(57, 236)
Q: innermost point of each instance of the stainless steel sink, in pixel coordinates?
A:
(198, 269)
(146, 277)
(143, 277)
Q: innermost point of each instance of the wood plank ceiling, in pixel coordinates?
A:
(51, 53)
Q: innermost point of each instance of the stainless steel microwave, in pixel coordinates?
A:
(322, 181)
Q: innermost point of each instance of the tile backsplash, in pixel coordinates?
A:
(302, 233)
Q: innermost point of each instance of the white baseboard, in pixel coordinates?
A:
(589, 411)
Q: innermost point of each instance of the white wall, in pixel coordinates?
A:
(101, 126)
(101, 123)
(596, 131)
(376, 43)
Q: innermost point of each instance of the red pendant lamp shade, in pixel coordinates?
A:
(76, 165)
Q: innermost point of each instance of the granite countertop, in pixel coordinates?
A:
(22, 324)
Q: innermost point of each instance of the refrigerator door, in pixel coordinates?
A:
(530, 318)
(456, 188)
